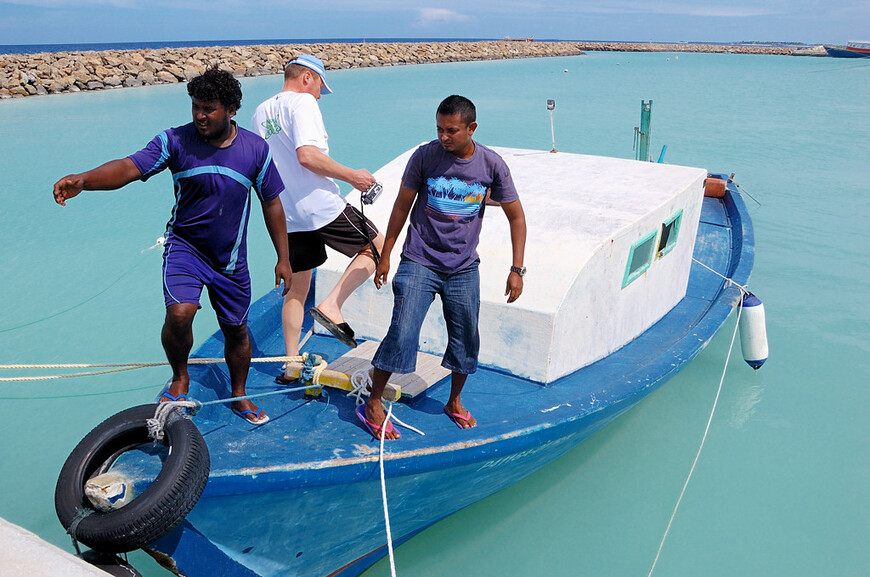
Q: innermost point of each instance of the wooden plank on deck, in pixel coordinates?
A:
(429, 369)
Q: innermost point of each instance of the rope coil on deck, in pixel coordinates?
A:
(312, 367)
(361, 381)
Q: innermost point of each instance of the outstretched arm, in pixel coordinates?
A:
(276, 224)
(517, 221)
(311, 158)
(401, 209)
(109, 176)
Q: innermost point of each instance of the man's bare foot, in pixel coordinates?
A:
(331, 312)
(250, 412)
(374, 414)
(460, 415)
(177, 391)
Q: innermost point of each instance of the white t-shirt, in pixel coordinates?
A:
(287, 121)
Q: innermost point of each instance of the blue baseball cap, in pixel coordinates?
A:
(315, 64)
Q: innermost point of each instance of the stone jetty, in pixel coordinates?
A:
(62, 72)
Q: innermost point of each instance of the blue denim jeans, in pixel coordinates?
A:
(414, 289)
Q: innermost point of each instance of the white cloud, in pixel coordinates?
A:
(433, 16)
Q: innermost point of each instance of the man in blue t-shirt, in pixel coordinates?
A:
(445, 189)
(214, 165)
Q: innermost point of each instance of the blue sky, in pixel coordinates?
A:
(76, 21)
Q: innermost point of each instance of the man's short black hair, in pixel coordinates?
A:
(458, 104)
(216, 84)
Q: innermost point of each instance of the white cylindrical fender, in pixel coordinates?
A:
(753, 331)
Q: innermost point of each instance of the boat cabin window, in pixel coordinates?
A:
(670, 231)
(639, 258)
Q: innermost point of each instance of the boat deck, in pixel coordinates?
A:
(307, 435)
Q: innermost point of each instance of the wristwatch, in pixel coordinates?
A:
(520, 270)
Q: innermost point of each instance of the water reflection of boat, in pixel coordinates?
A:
(627, 264)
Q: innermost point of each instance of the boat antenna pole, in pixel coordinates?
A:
(551, 105)
(642, 135)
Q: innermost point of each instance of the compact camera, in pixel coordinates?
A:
(372, 194)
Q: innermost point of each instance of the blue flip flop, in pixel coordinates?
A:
(258, 420)
(181, 397)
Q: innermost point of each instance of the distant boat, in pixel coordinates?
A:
(629, 266)
(852, 49)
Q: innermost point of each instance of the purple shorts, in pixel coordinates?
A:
(184, 275)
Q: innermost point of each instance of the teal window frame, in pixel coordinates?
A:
(632, 273)
(675, 220)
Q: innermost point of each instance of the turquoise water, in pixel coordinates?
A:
(781, 487)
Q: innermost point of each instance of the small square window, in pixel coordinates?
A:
(670, 232)
(639, 258)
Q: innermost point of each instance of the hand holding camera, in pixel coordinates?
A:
(372, 194)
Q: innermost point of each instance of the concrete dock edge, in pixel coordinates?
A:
(24, 554)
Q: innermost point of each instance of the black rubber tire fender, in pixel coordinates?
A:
(150, 515)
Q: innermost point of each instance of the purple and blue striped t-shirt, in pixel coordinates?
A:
(212, 190)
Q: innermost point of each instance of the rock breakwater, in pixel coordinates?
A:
(61, 72)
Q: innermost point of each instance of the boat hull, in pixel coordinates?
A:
(847, 52)
(338, 529)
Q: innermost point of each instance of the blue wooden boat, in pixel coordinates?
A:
(627, 265)
(852, 49)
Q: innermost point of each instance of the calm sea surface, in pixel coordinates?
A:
(781, 487)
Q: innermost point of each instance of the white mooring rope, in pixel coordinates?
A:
(703, 438)
(384, 493)
(742, 288)
(157, 423)
(361, 381)
(120, 367)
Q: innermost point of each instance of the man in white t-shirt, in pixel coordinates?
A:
(317, 214)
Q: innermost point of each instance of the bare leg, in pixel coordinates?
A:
(454, 404)
(357, 272)
(177, 339)
(237, 350)
(374, 406)
(293, 311)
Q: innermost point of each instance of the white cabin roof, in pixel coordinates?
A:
(583, 215)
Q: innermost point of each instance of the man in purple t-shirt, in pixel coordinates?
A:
(214, 165)
(445, 189)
